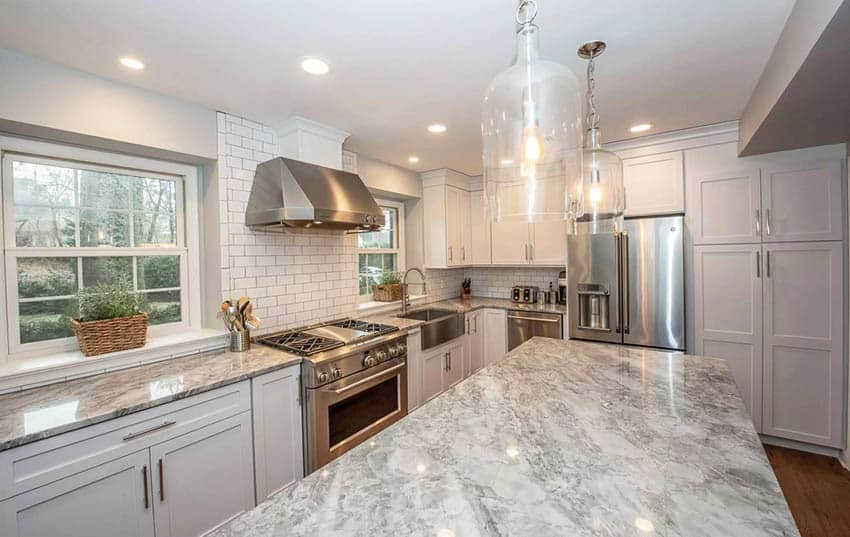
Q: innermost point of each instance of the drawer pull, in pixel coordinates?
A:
(161, 482)
(145, 479)
(149, 430)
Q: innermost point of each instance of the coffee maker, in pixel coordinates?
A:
(562, 287)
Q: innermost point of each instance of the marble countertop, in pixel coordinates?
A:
(560, 438)
(46, 411)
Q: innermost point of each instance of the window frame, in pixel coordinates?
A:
(187, 248)
(399, 248)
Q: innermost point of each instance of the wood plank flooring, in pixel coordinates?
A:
(817, 489)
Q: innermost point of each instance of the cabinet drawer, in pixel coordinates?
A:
(45, 461)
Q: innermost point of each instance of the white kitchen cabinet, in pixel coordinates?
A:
(447, 232)
(548, 245)
(475, 341)
(442, 367)
(479, 229)
(414, 369)
(510, 243)
(204, 478)
(654, 184)
(726, 207)
(111, 499)
(804, 374)
(278, 451)
(802, 202)
(728, 315)
(495, 323)
(455, 358)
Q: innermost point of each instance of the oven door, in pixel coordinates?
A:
(342, 414)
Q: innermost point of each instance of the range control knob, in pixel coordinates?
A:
(402, 347)
(394, 351)
(322, 376)
(336, 373)
(370, 360)
(380, 356)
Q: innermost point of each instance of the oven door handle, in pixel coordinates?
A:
(373, 378)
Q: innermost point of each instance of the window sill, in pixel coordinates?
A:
(372, 307)
(28, 372)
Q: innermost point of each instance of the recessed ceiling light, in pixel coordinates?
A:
(641, 127)
(437, 128)
(132, 63)
(413, 159)
(507, 161)
(315, 66)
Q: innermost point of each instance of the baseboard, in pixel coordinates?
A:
(802, 446)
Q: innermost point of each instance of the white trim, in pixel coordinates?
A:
(188, 239)
(302, 124)
(676, 140)
(399, 249)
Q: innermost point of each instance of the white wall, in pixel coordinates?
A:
(384, 179)
(35, 94)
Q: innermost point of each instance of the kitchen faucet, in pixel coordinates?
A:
(405, 295)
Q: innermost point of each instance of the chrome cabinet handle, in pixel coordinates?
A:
(450, 253)
(476, 324)
(521, 318)
(767, 264)
(467, 325)
(463, 253)
(145, 479)
(526, 251)
(149, 430)
(161, 482)
(758, 222)
(758, 264)
(627, 320)
(767, 222)
(531, 252)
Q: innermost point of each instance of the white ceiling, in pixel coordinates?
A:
(399, 65)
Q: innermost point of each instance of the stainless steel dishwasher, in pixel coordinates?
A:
(523, 325)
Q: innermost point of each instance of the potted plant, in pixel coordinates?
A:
(389, 288)
(111, 319)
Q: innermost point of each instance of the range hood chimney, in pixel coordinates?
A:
(292, 193)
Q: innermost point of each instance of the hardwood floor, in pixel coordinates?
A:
(817, 489)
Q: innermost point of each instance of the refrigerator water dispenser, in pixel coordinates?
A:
(593, 302)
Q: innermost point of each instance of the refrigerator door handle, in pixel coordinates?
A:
(618, 257)
(626, 283)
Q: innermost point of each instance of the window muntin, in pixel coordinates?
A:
(381, 250)
(72, 225)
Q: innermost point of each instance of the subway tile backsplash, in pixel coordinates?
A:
(496, 282)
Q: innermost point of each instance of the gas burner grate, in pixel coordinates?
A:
(366, 326)
(302, 343)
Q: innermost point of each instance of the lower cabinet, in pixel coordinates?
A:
(475, 341)
(495, 335)
(204, 478)
(278, 442)
(442, 368)
(414, 370)
(108, 500)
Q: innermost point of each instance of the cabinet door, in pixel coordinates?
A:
(728, 315)
(726, 208)
(803, 342)
(479, 227)
(465, 231)
(654, 184)
(278, 452)
(433, 367)
(802, 203)
(548, 243)
(495, 335)
(104, 501)
(475, 349)
(510, 243)
(414, 370)
(454, 225)
(203, 479)
(454, 365)
(436, 242)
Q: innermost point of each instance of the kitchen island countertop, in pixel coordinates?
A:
(560, 438)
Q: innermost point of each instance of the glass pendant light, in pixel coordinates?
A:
(596, 202)
(531, 130)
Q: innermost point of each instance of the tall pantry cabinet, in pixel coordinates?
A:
(768, 242)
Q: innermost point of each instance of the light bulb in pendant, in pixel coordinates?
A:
(595, 195)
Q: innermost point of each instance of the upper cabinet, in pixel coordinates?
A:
(654, 184)
(479, 230)
(447, 219)
(725, 208)
(802, 203)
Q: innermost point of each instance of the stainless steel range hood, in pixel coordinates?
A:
(291, 193)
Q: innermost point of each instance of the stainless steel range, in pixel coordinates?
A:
(354, 380)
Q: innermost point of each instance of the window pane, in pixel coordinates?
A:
(384, 238)
(104, 190)
(43, 227)
(154, 230)
(104, 228)
(158, 272)
(371, 268)
(47, 276)
(154, 195)
(162, 307)
(107, 271)
(40, 321)
(39, 184)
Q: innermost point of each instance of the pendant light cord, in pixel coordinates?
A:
(592, 115)
(530, 9)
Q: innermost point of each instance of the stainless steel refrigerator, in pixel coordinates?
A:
(629, 287)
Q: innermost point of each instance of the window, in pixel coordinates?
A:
(70, 225)
(381, 251)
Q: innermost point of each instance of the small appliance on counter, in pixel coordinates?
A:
(562, 287)
(524, 294)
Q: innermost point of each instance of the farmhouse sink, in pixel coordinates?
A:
(440, 325)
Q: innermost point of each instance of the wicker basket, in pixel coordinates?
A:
(111, 335)
(387, 293)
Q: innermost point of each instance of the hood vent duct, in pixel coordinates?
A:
(291, 193)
